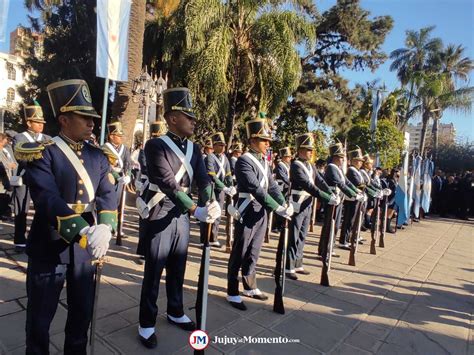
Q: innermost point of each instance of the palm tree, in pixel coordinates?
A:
(455, 68)
(433, 95)
(124, 108)
(243, 53)
(413, 58)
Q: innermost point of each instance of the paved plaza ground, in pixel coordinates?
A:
(413, 297)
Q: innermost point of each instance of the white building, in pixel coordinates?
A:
(11, 76)
(446, 134)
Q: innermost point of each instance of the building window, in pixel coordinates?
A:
(10, 96)
(11, 72)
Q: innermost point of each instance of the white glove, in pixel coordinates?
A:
(126, 179)
(379, 194)
(209, 213)
(98, 238)
(360, 197)
(387, 192)
(231, 191)
(334, 200)
(285, 212)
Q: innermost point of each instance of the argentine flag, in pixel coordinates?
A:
(427, 172)
(417, 162)
(112, 39)
(402, 196)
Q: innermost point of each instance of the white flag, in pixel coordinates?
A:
(3, 19)
(112, 39)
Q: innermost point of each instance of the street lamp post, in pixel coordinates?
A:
(144, 89)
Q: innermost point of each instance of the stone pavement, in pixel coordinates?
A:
(413, 297)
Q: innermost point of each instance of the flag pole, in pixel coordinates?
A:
(104, 111)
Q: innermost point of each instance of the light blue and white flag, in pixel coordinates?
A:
(112, 39)
(427, 173)
(401, 193)
(3, 19)
(417, 163)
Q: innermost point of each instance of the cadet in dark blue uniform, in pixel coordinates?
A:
(21, 194)
(355, 177)
(157, 129)
(173, 163)
(236, 152)
(305, 184)
(258, 192)
(122, 167)
(338, 182)
(69, 182)
(218, 168)
(373, 188)
(282, 177)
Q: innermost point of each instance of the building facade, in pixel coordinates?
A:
(446, 134)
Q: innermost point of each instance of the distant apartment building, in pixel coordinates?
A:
(11, 76)
(446, 134)
(21, 38)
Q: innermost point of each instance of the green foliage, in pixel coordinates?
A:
(69, 32)
(456, 158)
(388, 141)
(347, 38)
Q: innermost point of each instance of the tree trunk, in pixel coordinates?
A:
(435, 138)
(230, 119)
(406, 118)
(425, 120)
(123, 108)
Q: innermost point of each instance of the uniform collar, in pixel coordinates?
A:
(32, 134)
(77, 146)
(175, 138)
(256, 154)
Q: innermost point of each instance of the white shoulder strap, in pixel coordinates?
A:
(117, 154)
(40, 137)
(30, 139)
(76, 163)
(221, 163)
(185, 159)
(339, 171)
(285, 167)
(356, 171)
(309, 172)
(263, 168)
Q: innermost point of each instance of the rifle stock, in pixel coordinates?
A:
(383, 225)
(327, 255)
(229, 227)
(374, 229)
(278, 304)
(355, 234)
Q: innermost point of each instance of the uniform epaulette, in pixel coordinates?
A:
(29, 151)
(112, 158)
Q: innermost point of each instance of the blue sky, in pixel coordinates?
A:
(454, 21)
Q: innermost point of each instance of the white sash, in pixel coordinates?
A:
(221, 163)
(117, 154)
(341, 174)
(367, 177)
(76, 163)
(28, 137)
(145, 208)
(309, 172)
(357, 172)
(185, 160)
(263, 183)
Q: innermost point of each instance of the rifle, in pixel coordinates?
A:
(313, 215)
(374, 229)
(121, 215)
(327, 253)
(383, 226)
(355, 232)
(201, 299)
(229, 227)
(269, 228)
(278, 305)
(99, 264)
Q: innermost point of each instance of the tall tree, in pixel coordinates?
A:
(69, 47)
(124, 108)
(413, 58)
(347, 39)
(240, 54)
